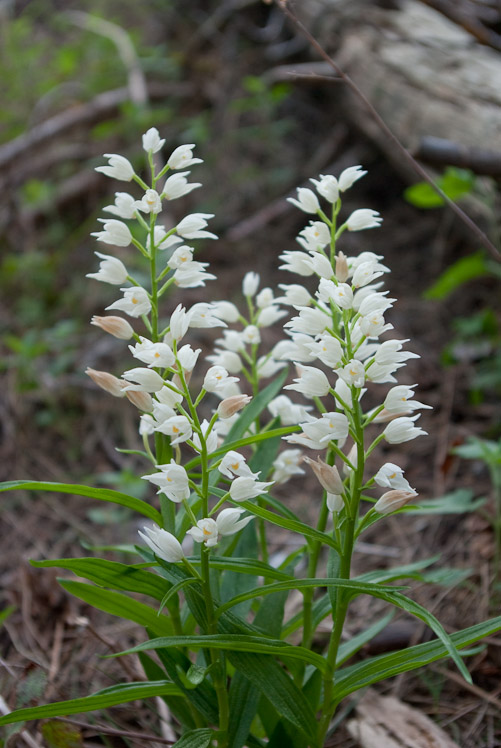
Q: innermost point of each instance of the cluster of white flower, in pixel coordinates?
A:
(340, 326)
(159, 387)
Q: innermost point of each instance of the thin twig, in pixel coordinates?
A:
(282, 4)
(97, 729)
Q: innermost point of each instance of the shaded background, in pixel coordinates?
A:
(236, 79)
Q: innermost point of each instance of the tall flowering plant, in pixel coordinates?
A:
(234, 668)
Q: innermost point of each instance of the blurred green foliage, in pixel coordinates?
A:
(454, 182)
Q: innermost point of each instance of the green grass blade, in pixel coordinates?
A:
(200, 738)
(102, 494)
(112, 696)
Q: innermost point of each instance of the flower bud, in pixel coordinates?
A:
(334, 502)
(328, 475)
(393, 500)
(142, 400)
(106, 381)
(115, 326)
(342, 270)
(231, 405)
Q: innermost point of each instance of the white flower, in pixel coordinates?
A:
(161, 239)
(153, 354)
(226, 310)
(327, 349)
(393, 500)
(192, 275)
(363, 218)
(147, 380)
(163, 544)
(367, 272)
(367, 301)
(286, 465)
(115, 326)
(124, 206)
(390, 352)
(228, 523)
(234, 464)
(268, 367)
(232, 341)
(398, 400)
(251, 335)
(295, 295)
(247, 487)
(402, 430)
(216, 378)
(151, 140)
(269, 315)
(312, 321)
(353, 373)
(320, 265)
(391, 476)
(172, 480)
(373, 325)
(307, 200)
(295, 349)
(111, 270)
(289, 413)
(349, 176)
(150, 202)
(191, 226)
(211, 438)
(135, 302)
(341, 294)
(146, 425)
(177, 185)
(115, 232)
(230, 360)
(187, 357)
(334, 502)
(250, 284)
(118, 167)
(205, 531)
(180, 256)
(296, 262)
(330, 426)
(178, 428)
(170, 397)
(182, 156)
(179, 322)
(203, 315)
(264, 298)
(328, 187)
(311, 382)
(315, 236)
(161, 412)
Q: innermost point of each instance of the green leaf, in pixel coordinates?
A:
(120, 605)
(455, 183)
(298, 584)
(233, 643)
(102, 494)
(244, 566)
(456, 502)
(111, 574)
(200, 738)
(6, 612)
(459, 273)
(375, 669)
(288, 524)
(111, 696)
(349, 648)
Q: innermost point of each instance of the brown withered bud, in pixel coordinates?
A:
(328, 475)
(231, 405)
(392, 500)
(106, 381)
(115, 326)
(142, 400)
(342, 270)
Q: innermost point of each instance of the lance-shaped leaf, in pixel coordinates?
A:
(111, 696)
(379, 668)
(102, 494)
(233, 643)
